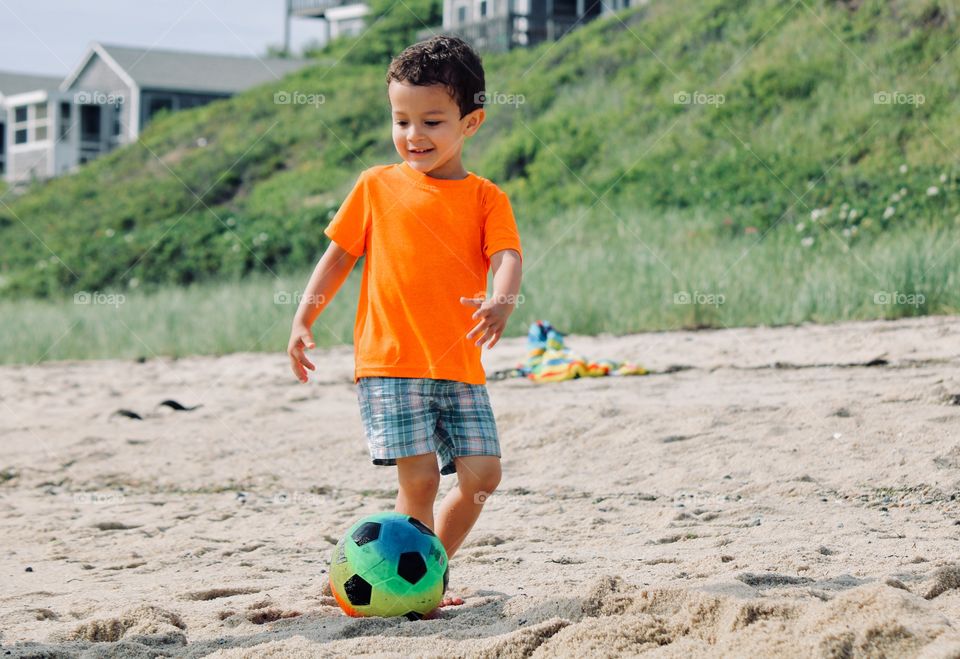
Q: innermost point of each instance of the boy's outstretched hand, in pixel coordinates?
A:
(492, 313)
(300, 338)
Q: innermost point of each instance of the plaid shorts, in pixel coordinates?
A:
(412, 416)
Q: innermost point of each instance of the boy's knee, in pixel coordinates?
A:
(421, 483)
(483, 478)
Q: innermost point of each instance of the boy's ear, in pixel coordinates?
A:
(473, 121)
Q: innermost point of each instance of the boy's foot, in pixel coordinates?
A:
(448, 600)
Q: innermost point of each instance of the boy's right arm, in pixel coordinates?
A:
(327, 277)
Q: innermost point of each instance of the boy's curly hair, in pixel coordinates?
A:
(444, 60)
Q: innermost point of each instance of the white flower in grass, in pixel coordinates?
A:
(853, 214)
(903, 192)
(807, 242)
(801, 226)
(843, 215)
(894, 198)
(817, 213)
(933, 191)
(888, 213)
(903, 169)
(133, 283)
(109, 233)
(943, 178)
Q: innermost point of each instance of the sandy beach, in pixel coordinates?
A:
(786, 492)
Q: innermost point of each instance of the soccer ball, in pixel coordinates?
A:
(389, 564)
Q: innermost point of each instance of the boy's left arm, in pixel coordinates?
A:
(494, 311)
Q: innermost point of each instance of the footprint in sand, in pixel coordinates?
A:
(217, 593)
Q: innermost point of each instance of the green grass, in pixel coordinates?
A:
(797, 153)
(586, 271)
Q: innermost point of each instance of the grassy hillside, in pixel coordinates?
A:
(799, 160)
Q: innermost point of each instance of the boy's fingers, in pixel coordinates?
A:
(298, 371)
(484, 336)
(307, 340)
(477, 328)
(496, 337)
(306, 362)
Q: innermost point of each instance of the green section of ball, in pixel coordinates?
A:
(389, 564)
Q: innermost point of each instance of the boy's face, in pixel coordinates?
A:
(426, 117)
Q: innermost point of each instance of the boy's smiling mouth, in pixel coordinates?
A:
(420, 153)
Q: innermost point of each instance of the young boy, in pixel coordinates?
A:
(430, 231)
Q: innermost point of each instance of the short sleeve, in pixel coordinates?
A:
(500, 228)
(350, 226)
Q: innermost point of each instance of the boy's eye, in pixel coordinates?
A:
(431, 123)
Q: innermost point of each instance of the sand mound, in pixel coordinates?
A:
(146, 624)
(615, 618)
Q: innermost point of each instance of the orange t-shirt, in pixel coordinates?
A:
(427, 241)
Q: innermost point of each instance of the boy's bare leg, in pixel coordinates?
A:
(418, 478)
(477, 477)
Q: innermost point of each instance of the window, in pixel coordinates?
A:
(40, 111)
(117, 128)
(65, 110)
(461, 14)
(20, 136)
(90, 123)
(158, 103)
(483, 8)
(40, 132)
(21, 114)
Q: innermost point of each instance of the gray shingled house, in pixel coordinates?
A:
(109, 98)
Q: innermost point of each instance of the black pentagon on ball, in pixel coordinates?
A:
(358, 590)
(423, 528)
(411, 566)
(367, 532)
(446, 578)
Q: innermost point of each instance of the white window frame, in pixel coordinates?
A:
(31, 124)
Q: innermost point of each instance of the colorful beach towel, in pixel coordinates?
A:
(549, 360)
